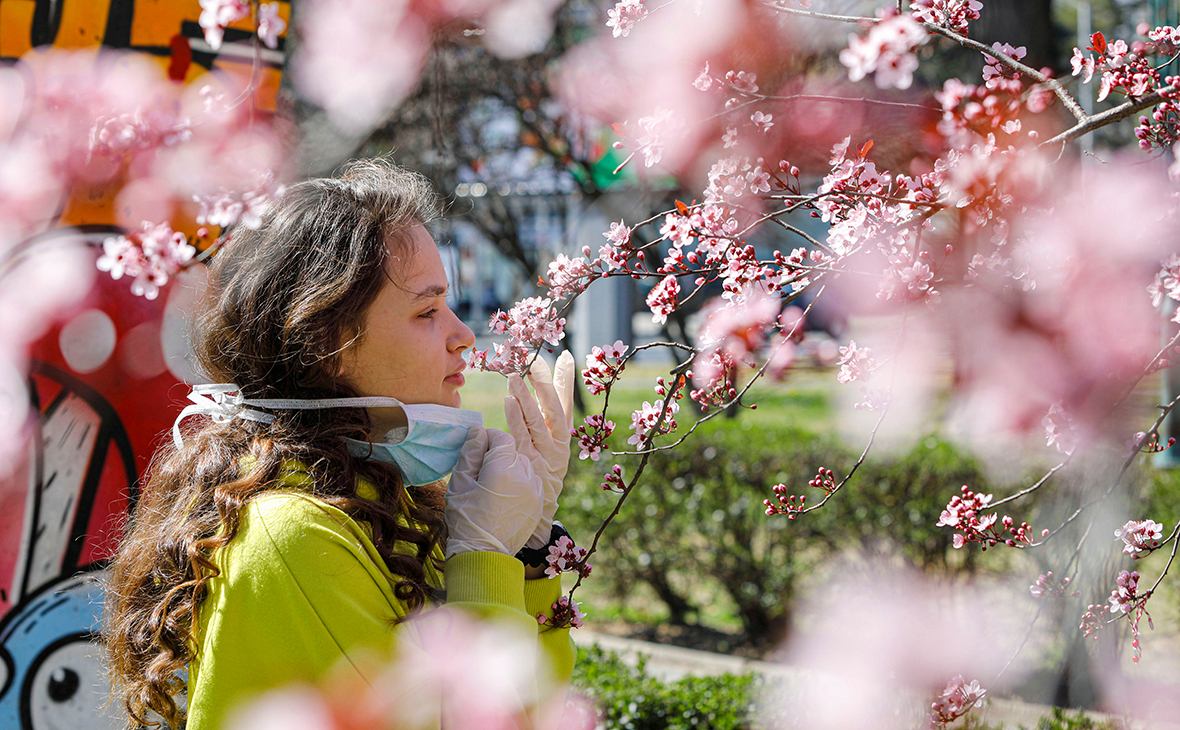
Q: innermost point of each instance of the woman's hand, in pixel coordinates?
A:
(541, 427)
(494, 498)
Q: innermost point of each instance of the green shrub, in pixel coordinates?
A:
(695, 525)
(631, 699)
(1059, 720)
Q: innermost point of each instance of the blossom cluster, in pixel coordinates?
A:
(567, 613)
(600, 372)
(1126, 599)
(787, 504)
(566, 556)
(226, 208)
(151, 255)
(624, 15)
(855, 363)
(965, 512)
(1047, 586)
(613, 481)
(950, 14)
(592, 436)
(1140, 537)
(1128, 69)
(645, 418)
(956, 699)
(886, 50)
(528, 324)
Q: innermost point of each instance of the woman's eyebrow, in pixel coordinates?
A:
(431, 292)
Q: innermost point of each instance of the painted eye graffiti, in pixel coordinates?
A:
(67, 688)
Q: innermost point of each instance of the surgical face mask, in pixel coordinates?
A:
(428, 452)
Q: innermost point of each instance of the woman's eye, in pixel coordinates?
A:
(429, 313)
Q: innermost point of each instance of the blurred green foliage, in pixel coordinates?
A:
(628, 698)
(695, 531)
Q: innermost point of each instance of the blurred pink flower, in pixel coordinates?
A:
(270, 25)
(216, 15)
(887, 51)
(624, 15)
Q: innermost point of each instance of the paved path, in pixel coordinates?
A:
(670, 663)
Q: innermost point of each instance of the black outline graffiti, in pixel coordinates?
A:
(111, 431)
(26, 691)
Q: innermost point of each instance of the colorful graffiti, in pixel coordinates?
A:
(106, 384)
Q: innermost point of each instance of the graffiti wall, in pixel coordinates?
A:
(106, 383)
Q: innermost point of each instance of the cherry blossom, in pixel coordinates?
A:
(886, 51)
(566, 613)
(993, 70)
(568, 277)
(565, 556)
(270, 25)
(855, 363)
(1126, 599)
(151, 255)
(592, 435)
(964, 513)
(624, 15)
(762, 121)
(1060, 430)
(216, 15)
(528, 324)
(790, 505)
(656, 131)
(1140, 537)
(951, 14)
(613, 480)
(662, 299)
(644, 419)
(1047, 586)
(956, 699)
(599, 372)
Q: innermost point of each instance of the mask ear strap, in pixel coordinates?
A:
(224, 402)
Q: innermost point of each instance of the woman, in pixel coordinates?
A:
(294, 532)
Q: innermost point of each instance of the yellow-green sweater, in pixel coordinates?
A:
(303, 591)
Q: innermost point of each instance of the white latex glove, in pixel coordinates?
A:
(542, 427)
(494, 497)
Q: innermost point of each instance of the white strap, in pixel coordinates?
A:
(224, 402)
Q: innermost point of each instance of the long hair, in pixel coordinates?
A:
(284, 303)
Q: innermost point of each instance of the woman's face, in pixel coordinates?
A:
(411, 344)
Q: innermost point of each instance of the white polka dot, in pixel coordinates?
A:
(88, 341)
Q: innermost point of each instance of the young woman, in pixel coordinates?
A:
(296, 529)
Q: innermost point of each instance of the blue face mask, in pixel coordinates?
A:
(428, 452)
(431, 446)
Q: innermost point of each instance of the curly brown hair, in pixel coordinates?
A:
(284, 303)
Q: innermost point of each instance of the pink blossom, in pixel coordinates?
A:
(1060, 430)
(624, 15)
(730, 138)
(855, 363)
(568, 277)
(529, 323)
(1140, 537)
(216, 15)
(704, 81)
(657, 131)
(742, 81)
(592, 435)
(228, 209)
(644, 419)
(565, 614)
(565, 556)
(762, 121)
(662, 299)
(152, 255)
(1048, 586)
(600, 373)
(951, 14)
(1167, 281)
(887, 50)
(955, 701)
(1082, 64)
(270, 25)
(994, 70)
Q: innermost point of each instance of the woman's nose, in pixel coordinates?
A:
(462, 338)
